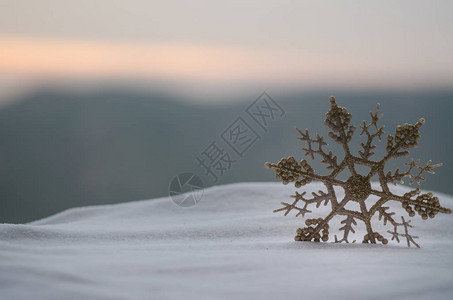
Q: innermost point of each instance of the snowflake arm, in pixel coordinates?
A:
(289, 170)
(288, 207)
(386, 216)
(378, 132)
(409, 238)
(347, 228)
(426, 168)
(406, 137)
(413, 165)
(327, 158)
(338, 120)
(318, 198)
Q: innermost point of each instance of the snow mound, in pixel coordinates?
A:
(230, 245)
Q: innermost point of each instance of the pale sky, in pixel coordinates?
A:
(265, 43)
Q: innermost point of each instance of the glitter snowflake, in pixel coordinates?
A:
(357, 188)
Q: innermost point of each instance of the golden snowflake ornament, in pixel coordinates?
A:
(357, 188)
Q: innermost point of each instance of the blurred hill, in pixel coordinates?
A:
(64, 149)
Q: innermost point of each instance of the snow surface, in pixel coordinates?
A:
(230, 245)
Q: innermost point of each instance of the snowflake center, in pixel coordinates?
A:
(358, 187)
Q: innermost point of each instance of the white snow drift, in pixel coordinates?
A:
(230, 245)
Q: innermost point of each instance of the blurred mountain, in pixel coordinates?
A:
(64, 149)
